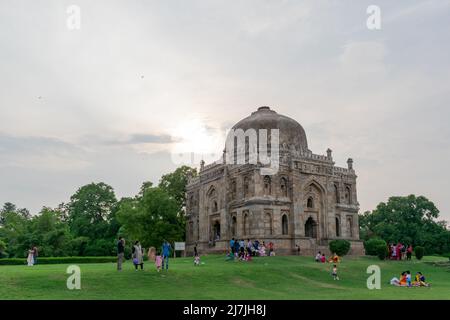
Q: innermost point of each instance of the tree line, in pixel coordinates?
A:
(89, 224)
(411, 220)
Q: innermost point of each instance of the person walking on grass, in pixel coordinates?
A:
(30, 259)
(35, 254)
(138, 256)
(166, 254)
(120, 253)
(334, 273)
(409, 252)
(158, 261)
(151, 254)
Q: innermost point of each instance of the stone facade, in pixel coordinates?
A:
(307, 203)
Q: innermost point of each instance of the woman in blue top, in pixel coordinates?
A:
(166, 253)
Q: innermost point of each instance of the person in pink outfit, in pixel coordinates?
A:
(158, 261)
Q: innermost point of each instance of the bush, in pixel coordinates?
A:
(59, 260)
(372, 246)
(100, 247)
(419, 252)
(382, 251)
(340, 247)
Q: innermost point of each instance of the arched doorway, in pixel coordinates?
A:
(338, 226)
(284, 225)
(268, 224)
(216, 231)
(310, 228)
(233, 226)
(246, 224)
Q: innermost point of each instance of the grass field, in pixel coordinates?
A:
(278, 277)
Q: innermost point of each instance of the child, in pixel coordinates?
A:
(334, 273)
(158, 261)
(197, 260)
(323, 259)
(408, 278)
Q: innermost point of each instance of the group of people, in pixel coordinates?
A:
(245, 250)
(160, 257)
(320, 257)
(406, 280)
(32, 256)
(334, 258)
(400, 251)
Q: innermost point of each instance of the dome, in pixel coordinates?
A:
(291, 132)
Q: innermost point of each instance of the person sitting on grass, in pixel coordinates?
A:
(420, 280)
(230, 255)
(334, 258)
(318, 256)
(323, 259)
(402, 281)
(399, 283)
(408, 279)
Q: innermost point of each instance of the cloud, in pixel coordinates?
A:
(144, 138)
(41, 153)
(380, 97)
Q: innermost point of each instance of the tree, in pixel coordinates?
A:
(14, 230)
(410, 220)
(2, 248)
(7, 208)
(150, 217)
(175, 184)
(50, 234)
(89, 210)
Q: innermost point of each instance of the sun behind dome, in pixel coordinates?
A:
(306, 204)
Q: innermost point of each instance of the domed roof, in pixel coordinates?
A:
(291, 132)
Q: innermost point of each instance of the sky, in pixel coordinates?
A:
(116, 96)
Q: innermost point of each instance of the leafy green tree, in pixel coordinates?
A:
(14, 231)
(150, 217)
(2, 248)
(175, 183)
(89, 211)
(410, 220)
(50, 234)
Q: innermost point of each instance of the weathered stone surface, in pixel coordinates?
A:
(309, 202)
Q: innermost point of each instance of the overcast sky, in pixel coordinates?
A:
(142, 80)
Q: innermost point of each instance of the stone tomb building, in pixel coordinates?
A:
(307, 203)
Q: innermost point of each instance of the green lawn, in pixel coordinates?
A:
(278, 277)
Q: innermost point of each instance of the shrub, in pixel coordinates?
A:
(59, 260)
(340, 247)
(382, 251)
(372, 246)
(419, 252)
